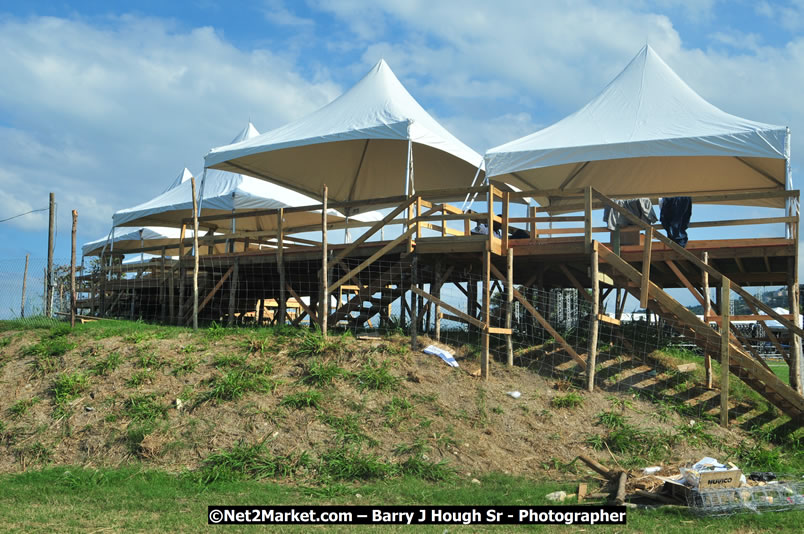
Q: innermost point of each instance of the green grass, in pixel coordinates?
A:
(136, 500)
(21, 407)
(106, 365)
(144, 408)
(375, 376)
(234, 384)
(569, 400)
(302, 399)
(322, 374)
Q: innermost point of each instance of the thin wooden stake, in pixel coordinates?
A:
(707, 313)
(280, 263)
(50, 243)
(587, 219)
(324, 302)
(195, 256)
(594, 321)
(724, 351)
(414, 312)
(643, 293)
(509, 301)
(24, 283)
(72, 272)
(484, 357)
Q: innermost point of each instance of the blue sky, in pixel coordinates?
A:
(104, 105)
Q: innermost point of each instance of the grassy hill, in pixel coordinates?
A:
(324, 419)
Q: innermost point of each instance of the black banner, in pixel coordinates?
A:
(416, 515)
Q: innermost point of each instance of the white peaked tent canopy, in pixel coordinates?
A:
(184, 176)
(358, 145)
(125, 240)
(649, 134)
(223, 193)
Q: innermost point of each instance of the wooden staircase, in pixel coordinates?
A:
(741, 364)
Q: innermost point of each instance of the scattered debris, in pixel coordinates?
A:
(707, 487)
(445, 355)
(556, 496)
(475, 481)
(514, 394)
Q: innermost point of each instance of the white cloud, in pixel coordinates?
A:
(107, 115)
(788, 15)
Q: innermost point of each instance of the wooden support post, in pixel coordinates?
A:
(260, 311)
(50, 244)
(506, 201)
(324, 302)
(233, 287)
(171, 297)
(72, 272)
(594, 321)
(163, 278)
(644, 291)
(534, 230)
(471, 297)
(724, 352)
(793, 296)
(195, 255)
(484, 356)
(587, 219)
(280, 264)
(437, 293)
(707, 313)
(24, 283)
(509, 303)
(414, 309)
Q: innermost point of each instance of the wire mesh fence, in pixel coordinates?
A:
(643, 352)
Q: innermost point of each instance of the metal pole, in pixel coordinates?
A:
(24, 282)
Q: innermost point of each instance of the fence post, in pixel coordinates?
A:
(324, 304)
(707, 313)
(414, 303)
(72, 273)
(195, 256)
(587, 219)
(509, 302)
(591, 359)
(725, 313)
(280, 261)
(24, 282)
(484, 356)
(50, 243)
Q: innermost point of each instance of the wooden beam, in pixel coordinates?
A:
(509, 303)
(689, 256)
(587, 219)
(484, 355)
(574, 281)
(458, 313)
(724, 353)
(594, 319)
(374, 257)
(645, 290)
(301, 303)
(707, 306)
(371, 231)
(545, 324)
(323, 303)
(686, 282)
(606, 319)
(213, 291)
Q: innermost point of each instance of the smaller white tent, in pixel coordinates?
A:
(648, 134)
(127, 240)
(359, 145)
(223, 193)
